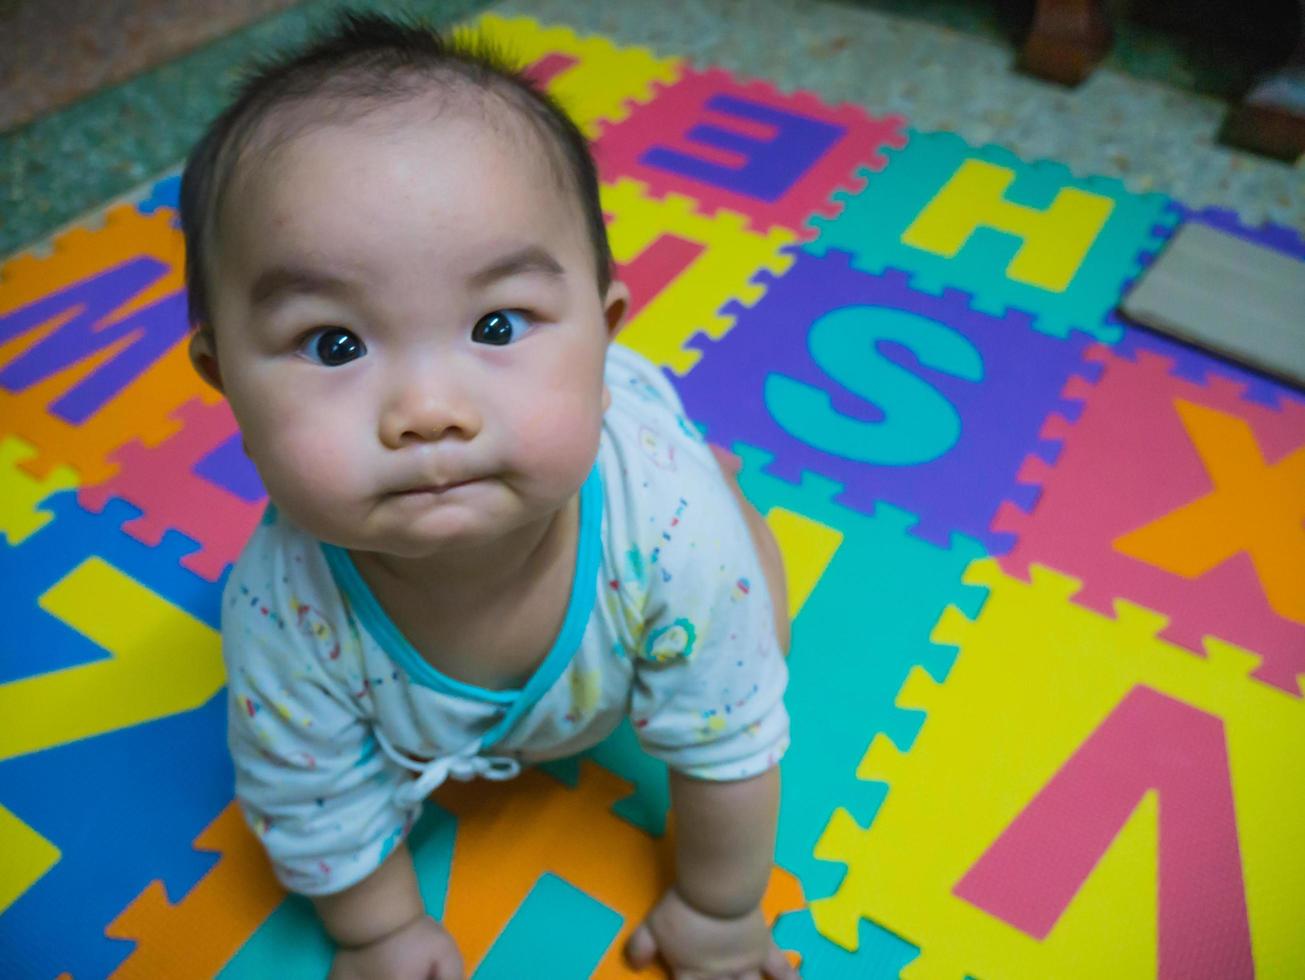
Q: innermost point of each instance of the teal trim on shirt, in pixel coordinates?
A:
(584, 593)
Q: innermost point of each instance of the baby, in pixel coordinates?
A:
(492, 534)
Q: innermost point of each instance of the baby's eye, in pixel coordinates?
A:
(333, 346)
(500, 327)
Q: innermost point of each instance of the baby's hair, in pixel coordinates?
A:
(368, 60)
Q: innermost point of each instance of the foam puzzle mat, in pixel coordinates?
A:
(1047, 576)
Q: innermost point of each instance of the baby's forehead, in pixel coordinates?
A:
(449, 113)
(321, 193)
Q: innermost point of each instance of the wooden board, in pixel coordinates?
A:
(1228, 295)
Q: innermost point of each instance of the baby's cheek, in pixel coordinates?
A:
(562, 438)
(303, 462)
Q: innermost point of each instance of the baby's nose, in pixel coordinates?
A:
(428, 407)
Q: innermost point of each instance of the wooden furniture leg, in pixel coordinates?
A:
(1067, 40)
(1271, 118)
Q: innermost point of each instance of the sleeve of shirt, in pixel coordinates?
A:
(709, 673)
(309, 777)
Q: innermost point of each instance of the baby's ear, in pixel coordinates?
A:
(616, 304)
(203, 354)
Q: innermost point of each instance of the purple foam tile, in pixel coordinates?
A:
(1280, 238)
(1000, 408)
(229, 467)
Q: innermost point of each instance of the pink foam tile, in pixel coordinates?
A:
(745, 146)
(161, 481)
(1130, 460)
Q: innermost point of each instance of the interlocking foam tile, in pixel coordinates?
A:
(621, 754)
(900, 396)
(1184, 498)
(863, 628)
(1192, 362)
(196, 482)
(37, 642)
(592, 927)
(159, 660)
(90, 357)
(879, 953)
(213, 920)
(1083, 799)
(682, 268)
(123, 810)
(21, 493)
(291, 943)
(534, 826)
(1017, 235)
(746, 147)
(25, 856)
(165, 193)
(1280, 238)
(593, 79)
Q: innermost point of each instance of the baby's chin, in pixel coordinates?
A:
(444, 532)
(416, 546)
(419, 540)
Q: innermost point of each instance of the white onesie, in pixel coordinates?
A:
(339, 728)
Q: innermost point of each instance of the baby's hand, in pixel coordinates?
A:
(697, 946)
(421, 950)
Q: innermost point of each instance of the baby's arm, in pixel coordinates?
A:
(375, 907)
(724, 841)
(382, 929)
(710, 921)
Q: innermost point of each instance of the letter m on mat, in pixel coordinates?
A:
(80, 322)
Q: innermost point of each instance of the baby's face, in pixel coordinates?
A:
(409, 331)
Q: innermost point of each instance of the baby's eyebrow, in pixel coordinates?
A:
(278, 282)
(530, 259)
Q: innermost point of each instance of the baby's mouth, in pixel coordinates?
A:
(434, 489)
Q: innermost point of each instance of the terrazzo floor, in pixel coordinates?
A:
(952, 71)
(73, 47)
(1152, 136)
